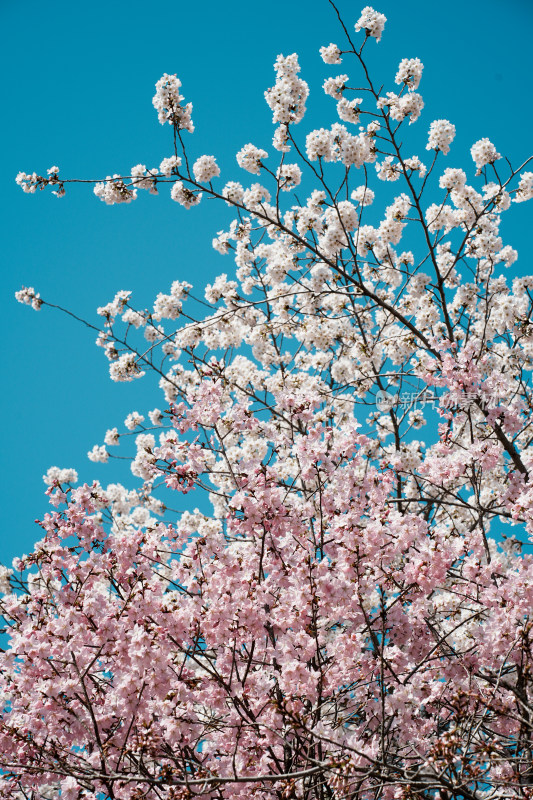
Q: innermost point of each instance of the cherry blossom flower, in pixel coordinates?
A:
(324, 610)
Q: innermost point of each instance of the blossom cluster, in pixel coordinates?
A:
(372, 22)
(29, 296)
(288, 95)
(337, 620)
(29, 183)
(55, 475)
(167, 101)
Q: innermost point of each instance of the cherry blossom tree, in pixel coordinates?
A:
(342, 622)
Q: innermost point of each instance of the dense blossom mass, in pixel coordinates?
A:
(341, 623)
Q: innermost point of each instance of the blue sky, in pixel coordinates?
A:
(78, 80)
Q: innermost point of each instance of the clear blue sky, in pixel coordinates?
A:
(78, 79)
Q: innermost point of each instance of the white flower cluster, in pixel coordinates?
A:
(142, 178)
(288, 95)
(400, 107)
(125, 368)
(372, 22)
(256, 197)
(337, 144)
(240, 232)
(220, 288)
(143, 464)
(135, 318)
(441, 135)
(452, 179)
(416, 419)
(5, 574)
(112, 437)
(185, 196)
(29, 297)
(233, 192)
(348, 217)
(330, 54)
(30, 182)
(335, 86)
(389, 169)
(337, 223)
(250, 157)
(469, 209)
(391, 228)
(508, 255)
(280, 140)
(154, 333)
(114, 190)
(363, 195)
(416, 165)
(56, 475)
(409, 72)
(349, 110)
(155, 416)
(289, 176)
(167, 102)
(205, 169)
(133, 420)
(168, 165)
(168, 306)
(98, 454)
(525, 188)
(318, 144)
(501, 197)
(367, 239)
(483, 152)
(115, 307)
